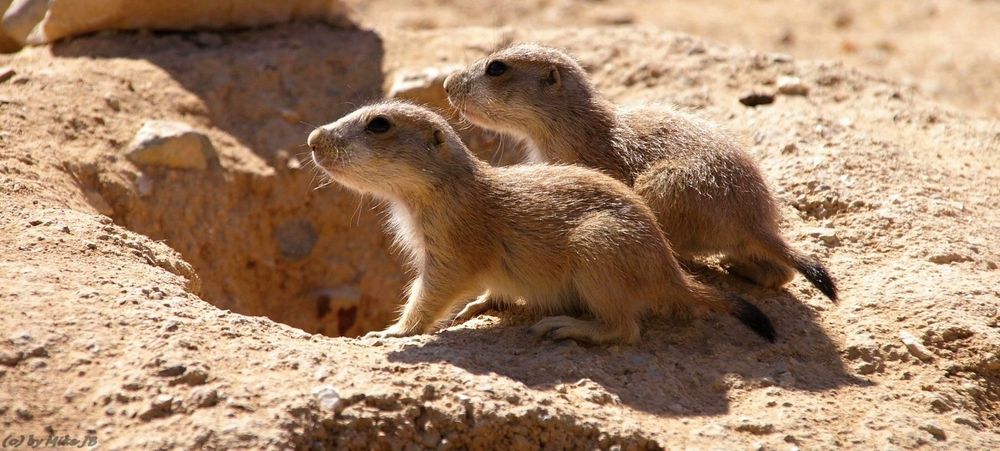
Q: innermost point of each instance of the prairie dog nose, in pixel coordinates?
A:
(314, 138)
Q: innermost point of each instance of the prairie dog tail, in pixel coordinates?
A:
(732, 304)
(814, 272)
(775, 248)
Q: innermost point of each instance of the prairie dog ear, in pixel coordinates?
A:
(438, 137)
(554, 78)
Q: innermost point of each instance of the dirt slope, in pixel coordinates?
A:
(105, 332)
(946, 48)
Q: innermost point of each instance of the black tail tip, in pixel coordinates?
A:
(752, 317)
(817, 274)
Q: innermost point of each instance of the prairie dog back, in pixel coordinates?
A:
(562, 238)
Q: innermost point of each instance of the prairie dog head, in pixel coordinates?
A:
(390, 149)
(513, 88)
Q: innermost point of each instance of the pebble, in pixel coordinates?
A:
(11, 358)
(915, 347)
(792, 86)
(948, 258)
(754, 99)
(935, 430)
(328, 397)
(23, 414)
(112, 102)
(6, 73)
(161, 406)
(171, 144)
(204, 397)
(193, 376)
(825, 234)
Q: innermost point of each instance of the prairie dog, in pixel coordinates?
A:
(708, 194)
(562, 238)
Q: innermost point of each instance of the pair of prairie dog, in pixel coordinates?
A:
(561, 238)
(708, 194)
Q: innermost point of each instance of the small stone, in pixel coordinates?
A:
(171, 144)
(204, 397)
(966, 421)
(868, 368)
(755, 428)
(172, 371)
(11, 358)
(825, 234)
(6, 73)
(112, 102)
(193, 376)
(162, 406)
(754, 99)
(948, 258)
(792, 86)
(915, 347)
(790, 148)
(23, 414)
(935, 430)
(327, 397)
(322, 373)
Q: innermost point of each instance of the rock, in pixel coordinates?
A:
(6, 73)
(757, 98)
(749, 426)
(171, 144)
(204, 397)
(935, 430)
(193, 376)
(172, 371)
(23, 414)
(424, 87)
(45, 21)
(825, 234)
(948, 258)
(328, 397)
(38, 351)
(112, 101)
(792, 86)
(11, 358)
(162, 406)
(916, 348)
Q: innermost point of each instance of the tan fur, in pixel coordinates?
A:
(562, 238)
(708, 194)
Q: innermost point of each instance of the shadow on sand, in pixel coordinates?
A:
(677, 369)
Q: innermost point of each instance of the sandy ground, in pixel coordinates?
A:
(946, 48)
(118, 281)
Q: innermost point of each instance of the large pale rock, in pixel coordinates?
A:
(63, 18)
(171, 144)
(424, 86)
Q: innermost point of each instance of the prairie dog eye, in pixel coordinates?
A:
(378, 124)
(496, 68)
